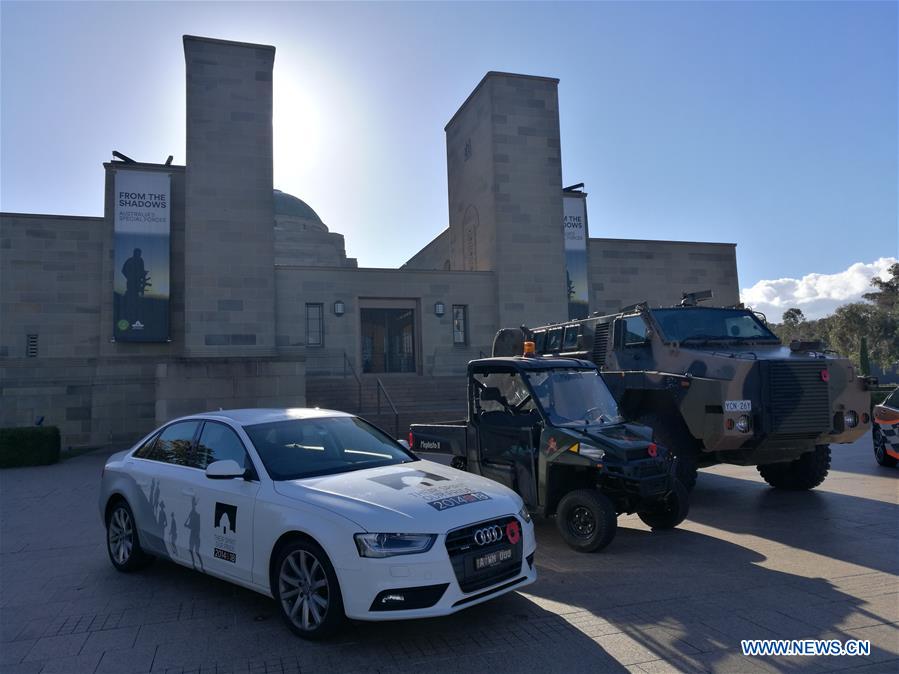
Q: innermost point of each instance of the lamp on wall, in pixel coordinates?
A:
(339, 308)
(439, 309)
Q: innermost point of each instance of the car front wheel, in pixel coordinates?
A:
(671, 511)
(307, 591)
(880, 448)
(122, 540)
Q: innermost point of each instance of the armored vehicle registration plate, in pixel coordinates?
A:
(737, 405)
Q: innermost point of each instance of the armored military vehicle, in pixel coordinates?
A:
(717, 386)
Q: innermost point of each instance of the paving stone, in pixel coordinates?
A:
(46, 648)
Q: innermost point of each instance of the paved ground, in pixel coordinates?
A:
(749, 563)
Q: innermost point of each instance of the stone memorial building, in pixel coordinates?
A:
(256, 299)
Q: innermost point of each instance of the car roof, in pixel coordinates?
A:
(533, 363)
(253, 416)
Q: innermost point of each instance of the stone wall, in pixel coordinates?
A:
(504, 174)
(626, 271)
(50, 284)
(437, 255)
(299, 285)
(229, 281)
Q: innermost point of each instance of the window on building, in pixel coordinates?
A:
(460, 324)
(315, 325)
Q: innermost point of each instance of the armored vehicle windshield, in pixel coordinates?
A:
(574, 397)
(700, 324)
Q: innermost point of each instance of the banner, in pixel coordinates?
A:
(142, 246)
(574, 210)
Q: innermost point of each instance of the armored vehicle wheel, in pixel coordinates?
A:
(671, 434)
(806, 472)
(587, 520)
(671, 512)
(880, 448)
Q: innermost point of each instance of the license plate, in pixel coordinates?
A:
(738, 406)
(492, 559)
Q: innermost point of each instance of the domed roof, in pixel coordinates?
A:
(289, 205)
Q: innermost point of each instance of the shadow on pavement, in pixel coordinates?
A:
(843, 527)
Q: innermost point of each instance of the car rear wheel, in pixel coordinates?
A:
(806, 472)
(880, 448)
(670, 512)
(587, 520)
(122, 540)
(307, 591)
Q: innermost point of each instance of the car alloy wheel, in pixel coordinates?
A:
(120, 536)
(304, 590)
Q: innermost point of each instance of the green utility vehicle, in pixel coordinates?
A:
(717, 386)
(550, 429)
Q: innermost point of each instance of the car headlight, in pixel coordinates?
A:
(524, 514)
(744, 423)
(850, 418)
(594, 453)
(388, 545)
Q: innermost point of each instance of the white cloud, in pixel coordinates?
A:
(816, 294)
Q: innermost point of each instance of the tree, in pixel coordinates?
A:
(864, 361)
(793, 317)
(887, 294)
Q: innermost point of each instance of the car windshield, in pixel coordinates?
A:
(702, 324)
(574, 397)
(299, 448)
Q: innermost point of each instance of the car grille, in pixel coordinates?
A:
(462, 550)
(799, 399)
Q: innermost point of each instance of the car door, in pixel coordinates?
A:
(221, 515)
(162, 470)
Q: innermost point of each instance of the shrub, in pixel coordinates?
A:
(29, 446)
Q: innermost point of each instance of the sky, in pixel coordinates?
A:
(768, 125)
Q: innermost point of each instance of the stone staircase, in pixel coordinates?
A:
(418, 399)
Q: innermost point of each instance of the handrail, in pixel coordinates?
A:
(396, 415)
(348, 363)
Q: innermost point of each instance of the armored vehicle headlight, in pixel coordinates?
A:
(388, 545)
(744, 423)
(850, 418)
(594, 453)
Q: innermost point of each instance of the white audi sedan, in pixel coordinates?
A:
(321, 511)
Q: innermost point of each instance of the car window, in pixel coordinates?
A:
(554, 340)
(145, 451)
(511, 388)
(174, 443)
(570, 341)
(892, 400)
(300, 448)
(217, 443)
(634, 331)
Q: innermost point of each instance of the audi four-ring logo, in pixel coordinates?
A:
(488, 535)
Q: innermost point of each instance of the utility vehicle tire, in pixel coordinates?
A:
(806, 472)
(671, 512)
(122, 539)
(880, 448)
(306, 590)
(587, 520)
(671, 433)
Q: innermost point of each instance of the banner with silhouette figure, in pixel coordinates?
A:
(142, 247)
(574, 210)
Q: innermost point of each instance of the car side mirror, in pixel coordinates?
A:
(227, 469)
(404, 443)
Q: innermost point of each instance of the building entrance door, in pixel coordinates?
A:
(388, 340)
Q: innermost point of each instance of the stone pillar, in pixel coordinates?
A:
(505, 194)
(229, 287)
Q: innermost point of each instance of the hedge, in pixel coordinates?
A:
(29, 446)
